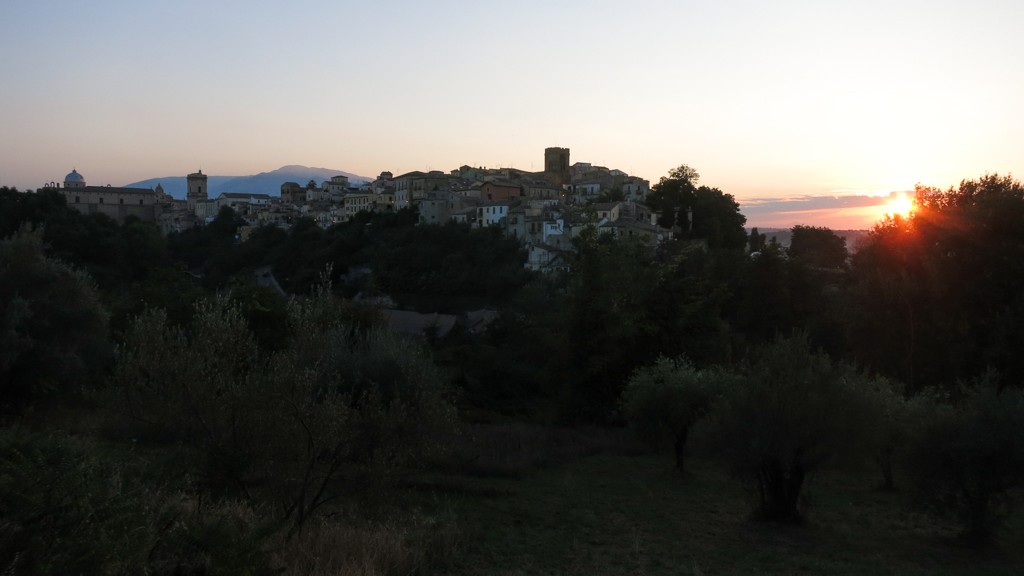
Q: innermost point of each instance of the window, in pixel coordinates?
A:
(77, 200)
(140, 202)
(120, 200)
(101, 200)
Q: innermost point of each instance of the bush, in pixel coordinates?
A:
(67, 506)
(65, 511)
(335, 406)
(969, 456)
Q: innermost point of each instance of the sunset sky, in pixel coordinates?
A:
(807, 112)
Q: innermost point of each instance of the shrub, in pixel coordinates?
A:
(335, 405)
(968, 457)
(65, 511)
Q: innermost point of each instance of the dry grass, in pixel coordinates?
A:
(404, 543)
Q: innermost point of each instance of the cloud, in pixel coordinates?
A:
(845, 209)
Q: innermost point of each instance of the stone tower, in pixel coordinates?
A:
(197, 190)
(556, 165)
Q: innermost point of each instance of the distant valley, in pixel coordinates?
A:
(262, 183)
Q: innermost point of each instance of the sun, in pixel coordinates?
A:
(899, 205)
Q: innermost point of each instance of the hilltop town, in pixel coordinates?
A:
(543, 210)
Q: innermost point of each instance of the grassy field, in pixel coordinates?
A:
(516, 499)
(613, 514)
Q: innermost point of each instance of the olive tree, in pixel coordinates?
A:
(890, 424)
(792, 412)
(663, 401)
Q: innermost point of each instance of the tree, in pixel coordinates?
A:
(606, 323)
(673, 195)
(762, 302)
(685, 308)
(915, 319)
(704, 213)
(818, 246)
(35, 209)
(888, 303)
(756, 242)
(968, 458)
(53, 328)
(793, 411)
(717, 218)
(890, 424)
(663, 401)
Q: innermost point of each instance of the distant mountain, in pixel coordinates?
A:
(262, 183)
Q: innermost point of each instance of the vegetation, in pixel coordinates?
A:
(937, 294)
(818, 247)
(698, 211)
(53, 328)
(793, 412)
(336, 405)
(968, 457)
(168, 410)
(662, 402)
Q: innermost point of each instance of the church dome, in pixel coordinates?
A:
(74, 180)
(74, 176)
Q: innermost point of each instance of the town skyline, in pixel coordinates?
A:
(839, 212)
(783, 107)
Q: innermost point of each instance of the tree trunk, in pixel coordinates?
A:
(780, 490)
(680, 448)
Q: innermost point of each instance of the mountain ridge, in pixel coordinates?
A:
(262, 183)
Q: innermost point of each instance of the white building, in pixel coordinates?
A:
(491, 214)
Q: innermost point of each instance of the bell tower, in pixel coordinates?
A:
(197, 190)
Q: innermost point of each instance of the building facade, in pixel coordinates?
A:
(115, 202)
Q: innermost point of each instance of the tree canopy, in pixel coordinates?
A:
(697, 212)
(53, 328)
(940, 294)
(818, 246)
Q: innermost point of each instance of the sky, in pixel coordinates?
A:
(807, 112)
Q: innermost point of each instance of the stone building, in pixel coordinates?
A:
(117, 203)
(556, 166)
(198, 191)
